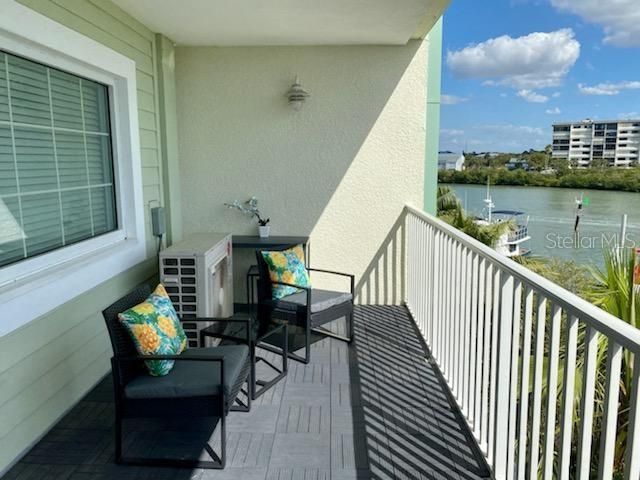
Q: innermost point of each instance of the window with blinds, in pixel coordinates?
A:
(56, 164)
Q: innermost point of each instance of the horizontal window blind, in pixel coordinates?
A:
(56, 163)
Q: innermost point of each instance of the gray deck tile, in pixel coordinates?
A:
(301, 450)
(375, 409)
(261, 419)
(304, 419)
(306, 394)
(298, 474)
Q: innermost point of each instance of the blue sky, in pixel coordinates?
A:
(513, 67)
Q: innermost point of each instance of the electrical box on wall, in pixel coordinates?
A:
(197, 273)
(158, 222)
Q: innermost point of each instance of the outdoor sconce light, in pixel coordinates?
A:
(297, 95)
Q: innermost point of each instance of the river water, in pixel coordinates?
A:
(552, 213)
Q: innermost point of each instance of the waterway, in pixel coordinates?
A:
(552, 213)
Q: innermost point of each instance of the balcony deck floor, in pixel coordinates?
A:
(377, 409)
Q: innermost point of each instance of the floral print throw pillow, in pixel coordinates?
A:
(155, 329)
(287, 266)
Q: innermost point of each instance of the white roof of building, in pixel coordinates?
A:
(450, 157)
(589, 121)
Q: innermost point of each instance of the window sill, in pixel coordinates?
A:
(33, 296)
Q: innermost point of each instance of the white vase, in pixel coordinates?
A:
(263, 231)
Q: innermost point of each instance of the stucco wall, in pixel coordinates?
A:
(340, 169)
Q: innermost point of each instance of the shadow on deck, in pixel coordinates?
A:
(375, 410)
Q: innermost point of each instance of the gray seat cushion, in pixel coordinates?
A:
(320, 300)
(192, 379)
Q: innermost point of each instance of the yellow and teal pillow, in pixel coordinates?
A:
(155, 329)
(287, 266)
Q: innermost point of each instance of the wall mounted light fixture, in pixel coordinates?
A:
(297, 95)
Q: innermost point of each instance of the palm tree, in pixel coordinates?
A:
(615, 291)
(446, 201)
(617, 294)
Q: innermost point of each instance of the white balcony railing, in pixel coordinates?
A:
(535, 370)
(515, 385)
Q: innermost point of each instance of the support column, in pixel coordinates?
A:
(434, 79)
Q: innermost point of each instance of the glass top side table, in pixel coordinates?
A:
(253, 333)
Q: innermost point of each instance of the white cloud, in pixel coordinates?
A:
(556, 94)
(451, 132)
(510, 129)
(537, 60)
(619, 18)
(629, 115)
(516, 3)
(553, 111)
(532, 97)
(451, 139)
(451, 99)
(496, 137)
(608, 88)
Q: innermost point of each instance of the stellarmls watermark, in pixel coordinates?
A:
(599, 241)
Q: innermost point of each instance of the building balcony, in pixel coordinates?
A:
(465, 365)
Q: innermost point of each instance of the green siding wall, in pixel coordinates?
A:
(48, 365)
(104, 22)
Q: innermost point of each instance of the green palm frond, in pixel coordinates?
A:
(446, 201)
(614, 291)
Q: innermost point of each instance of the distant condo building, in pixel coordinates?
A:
(582, 143)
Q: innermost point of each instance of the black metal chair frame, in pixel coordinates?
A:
(254, 344)
(312, 321)
(252, 276)
(281, 373)
(126, 364)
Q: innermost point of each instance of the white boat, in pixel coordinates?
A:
(510, 243)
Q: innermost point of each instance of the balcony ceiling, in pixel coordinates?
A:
(287, 22)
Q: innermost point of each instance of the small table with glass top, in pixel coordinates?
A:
(253, 333)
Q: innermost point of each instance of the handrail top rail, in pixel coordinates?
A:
(607, 324)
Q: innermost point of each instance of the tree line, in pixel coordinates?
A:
(626, 180)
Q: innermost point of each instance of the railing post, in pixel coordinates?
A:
(503, 370)
(405, 285)
(434, 279)
(552, 392)
(486, 357)
(610, 415)
(632, 459)
(493, 363)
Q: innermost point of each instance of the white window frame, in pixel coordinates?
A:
(34, 286)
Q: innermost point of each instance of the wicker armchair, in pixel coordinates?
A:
(309, 308)
(204, 382)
